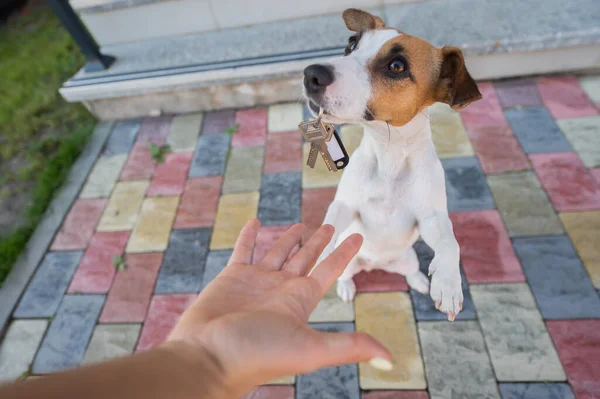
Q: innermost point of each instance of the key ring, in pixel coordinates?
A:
(320, 111)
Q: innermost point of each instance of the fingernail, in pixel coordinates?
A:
(451, 316)
(381, 363)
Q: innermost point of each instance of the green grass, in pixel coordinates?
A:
(39, 132)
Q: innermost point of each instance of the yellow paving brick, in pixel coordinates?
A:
(283, 381)
(151, 234)
(103, 176)
(233, 213)
(584, 230)
(320, 176)
(388, 317)
(284, 117)
(351, 136)
(449, 134)
(123, 208)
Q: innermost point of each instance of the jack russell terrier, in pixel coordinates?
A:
(393, 189)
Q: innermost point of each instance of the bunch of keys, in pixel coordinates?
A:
(319, 134)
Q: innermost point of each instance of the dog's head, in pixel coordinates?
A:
(387, 75)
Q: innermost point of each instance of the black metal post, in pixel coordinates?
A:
(88, 46)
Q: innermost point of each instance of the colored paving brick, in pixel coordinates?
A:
(210, 156)
(395, 395)
(283, 153)
(163, 313)
(448, 132)
(79, 225)
(424, 307)
(244, 169)
(578, 346)
(557, 278)
(139, 165)
(332, 308)
(97, 268)
(45, 291)
(389, 318)
(466, 188)
(252, 128)
(216, 122)
(314, 207)
(154, 130)
(584, 136)
(536, 130)
(569, 184)
(122, 137)
(456, 360)
(596, 173)
(495, 144)
(170, 176)
(331, 382)
(507, 315)
(199, 202)
(183, 266)
(379, 281)
(215, 263)
(280, 199)
(69, 333)
(320, 176)
(235, 210)
(270, 393)
(584, 231)
(518, 92)
(536, 391)
(565, 98)
(103, 176)
(267, 236)
(151, 234)
(284, 117)
(524, 205)
(19, 346)
(486, 252)
(129, 296)
(352, 136)
(591, 86)
(184, 132)
(110, 341)
(123, 207)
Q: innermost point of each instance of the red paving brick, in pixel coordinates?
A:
(564, 97)
(578, 346)
(252, 130)
(170, 176)
(486, 251)
(163, 313)
(283, 153)
(271, 392)
(493, 140)
(79, 225)
(265, 240)
(315, 202)
(139, 165)
(395, 395)
(596, 173)
(129, 296)
(154, 130)
(199, 203)
(570, 185)
(97, 267)
(379, 281)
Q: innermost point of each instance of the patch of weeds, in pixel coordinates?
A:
(231, 130)
(158, 153)
(119, 262)
(51, 318)
(24, 375)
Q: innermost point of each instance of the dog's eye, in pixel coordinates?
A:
(397, 67)
(352, 46)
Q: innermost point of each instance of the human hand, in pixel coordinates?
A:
(253, 317)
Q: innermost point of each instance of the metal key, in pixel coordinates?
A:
(318, 134)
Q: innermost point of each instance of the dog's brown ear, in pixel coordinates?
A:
(455, 86)
(359, 20)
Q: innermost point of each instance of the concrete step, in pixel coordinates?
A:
(262, 63)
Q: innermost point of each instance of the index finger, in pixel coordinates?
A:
(244, 246)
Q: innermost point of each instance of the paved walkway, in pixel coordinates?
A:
(523, 183)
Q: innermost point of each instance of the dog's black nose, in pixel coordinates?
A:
(317, 77)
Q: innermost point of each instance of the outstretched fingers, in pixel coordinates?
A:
(244, 246)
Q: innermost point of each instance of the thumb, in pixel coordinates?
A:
(343, 348)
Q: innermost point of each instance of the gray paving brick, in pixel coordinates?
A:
(536, 130)
(466, 187)
(558, 280)
(536, 391)
(19, 346)
(217, 121)
(46, 290)
(333, 382)
(244, 169)
(112, 340)
(280, 199)
(423, 304)
(215, 262)
(182, 269)
(210, 155)
(122, 137)
(66, 341)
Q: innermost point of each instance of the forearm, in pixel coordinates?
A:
(436, 231)
(169, 371)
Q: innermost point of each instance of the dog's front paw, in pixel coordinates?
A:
(346, 289)
(446, 288)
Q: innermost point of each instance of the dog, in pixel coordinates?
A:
(393, 189)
